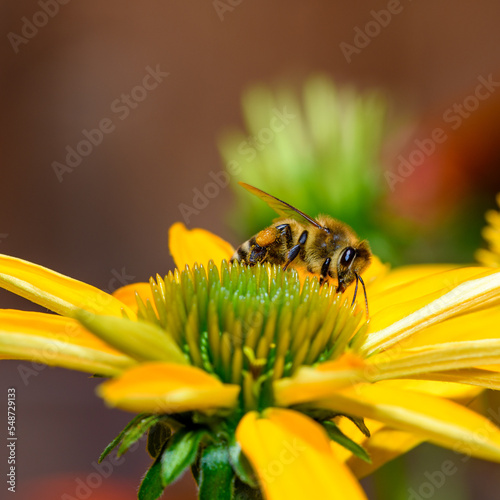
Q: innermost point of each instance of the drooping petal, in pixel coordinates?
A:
(168, 388)
(436, 299)
(57, 341)
(188, 246)
(55, 291)
(438, 420)
(292, 457)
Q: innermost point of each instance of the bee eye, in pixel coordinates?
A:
(348, 256)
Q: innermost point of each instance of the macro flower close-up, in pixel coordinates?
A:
(250, 250)
(264, 383)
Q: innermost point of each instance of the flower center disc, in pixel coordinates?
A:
(250, 325)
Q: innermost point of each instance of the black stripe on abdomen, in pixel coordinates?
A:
(241, 253)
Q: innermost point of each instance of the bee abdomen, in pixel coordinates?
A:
(242, 252)
(255, 249)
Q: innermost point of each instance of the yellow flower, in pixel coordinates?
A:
(257, 380)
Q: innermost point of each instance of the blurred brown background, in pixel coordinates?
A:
(110, 215)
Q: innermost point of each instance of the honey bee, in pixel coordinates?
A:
(323, 246)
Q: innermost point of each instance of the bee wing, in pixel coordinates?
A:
(280, 207)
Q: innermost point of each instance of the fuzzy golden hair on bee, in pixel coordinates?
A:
(325, 247)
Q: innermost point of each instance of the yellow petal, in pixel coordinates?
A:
(427, 359)
(459, 393)
(408, 274)
(168, 388)
(425, 287)
(486, 379)
(377, 272)
(126, 294)
(385, 443)
(55, 291)
(292, 457)
(57, 341)
(438, 420)
(319, 382)
(196, 245)
(431, 300)
(477, 325)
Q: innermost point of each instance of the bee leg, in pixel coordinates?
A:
(324, 271)
(267, 236)
(287, 232)
(258, 254)
(260, 244)
(295, 250)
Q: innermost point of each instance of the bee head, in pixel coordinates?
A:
(353, 260)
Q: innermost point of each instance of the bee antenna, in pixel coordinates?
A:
(358, 277)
